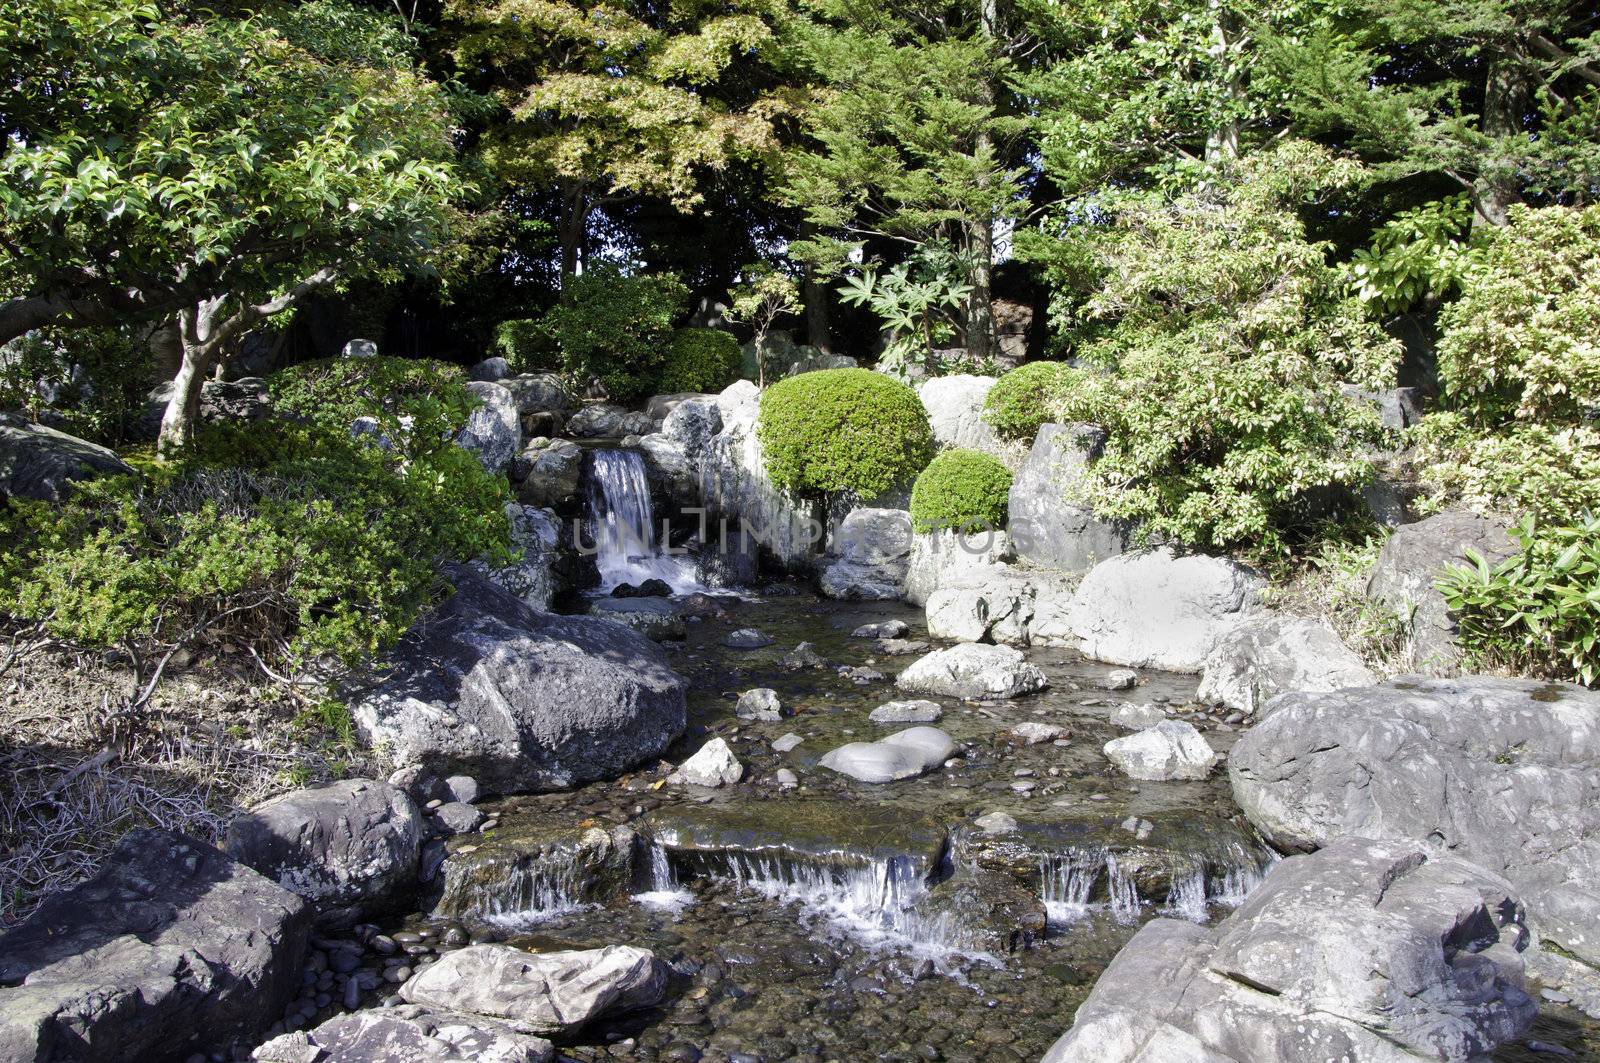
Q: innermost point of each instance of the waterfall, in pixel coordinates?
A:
(665, 891)
(1186, 897)
(1068, 880)
(521, 893)
(624, 526)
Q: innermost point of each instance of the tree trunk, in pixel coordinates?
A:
(183, 409)
(819, 326)
(980, 232)
(574, 228)
(1506, 94)
(1222, 142)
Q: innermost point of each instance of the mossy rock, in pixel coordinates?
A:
(843, 430)
(961, 490)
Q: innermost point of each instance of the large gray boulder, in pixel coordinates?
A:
(1049, 527)
(603, 421)
(656, 619)
(521, 700)
(676, 451)
(1370, 951)
(407, 1033)
(1155, 609)
(868, 556)
(493, 369)
(41, 463)
(547, 472)
(955, 412)
(546, 993)
(1021, 607)
(1260, 658)
(536, 393)
(349, 847)
(973, 671)
(1412, 559)
(533, 576)
(946, 558)
(492, 431)
(734, 484)
(1503, 772)
(170, 949)
(221, 402)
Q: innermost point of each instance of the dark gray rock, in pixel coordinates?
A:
(407, 1033)
(654, 618)
(1048, 527)
(602, 421)
(1371, 951)
(221, 402)
(748, 638)
(41, 463)
(536, 393)
(521, 700)
(547, 472)
(1412, 559)
(170, 949)
(456, 817)
(868, 556)
(1260, 658)
(349, 847)
(463, 788)
(1503, 772)
(492, 431)
(492, 370)
(536, 574)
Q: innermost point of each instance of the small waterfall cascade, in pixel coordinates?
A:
(665, 891)
(878, 903)
(522, 892)
(624, 528)
(1070, 879)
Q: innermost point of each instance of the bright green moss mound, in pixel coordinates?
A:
(963, 491)
(843, 430)
(1024, 398)
(700, 359)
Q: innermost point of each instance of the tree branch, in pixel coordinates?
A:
(1571, 62)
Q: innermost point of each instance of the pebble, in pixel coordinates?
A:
(396, 975)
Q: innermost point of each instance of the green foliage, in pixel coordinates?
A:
(843, 430)
(762, 295)
(1417, 258)
(1025, 398)
(521, 342)
(1519, 371)
(1222, 341)
(289, 537)
(611, 329)
(91, 382)
(961, 490)
(700, 359)
(920, 303)
(1538, 611)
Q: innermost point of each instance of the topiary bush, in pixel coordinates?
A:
(843, 430)
(1021, 400)
(611, 330)
(963, 491)
(700, 359)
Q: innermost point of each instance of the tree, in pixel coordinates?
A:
(906, 142)
(166, 163)
(610, 100)
(1500, 97)
(763, 296)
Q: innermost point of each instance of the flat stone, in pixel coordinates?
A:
(1172, 749)
(906, 712)
(902, 755)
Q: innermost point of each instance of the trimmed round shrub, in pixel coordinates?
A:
(963, 491)
(837, 430)
(1022, 400)
(700, 359)
(522, 342)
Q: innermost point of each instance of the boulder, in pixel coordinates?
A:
(675, 453)
(1158, 610)
(171, 948)
(221, 402)
(1503, 772)
(888, 629)
(747, 638)
(950, 559)
(906, 712)
(41, 463)
(733, 483)
(548, 993)
(712, 765)
(547, 472)
(1138, 717)
(902, 755)
(407, 1033)
(955, 412)
(654, 618)
(521, 700)
(359, 349)
(815, 362)
(1370, 951)
(1047, 526)
(491, 370)
(534, 575)
(973, 671)
(760, 704)
(868, 556)
(349, 847)
(1260, 658)
(1007, 605)
(455, 817)
(492, 431)
(602, 421)
(536, 393)
(1412, 559)
(658, 407)
(1172, 749)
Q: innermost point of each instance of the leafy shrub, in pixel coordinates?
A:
(1024, 399)
(92, 382)
(1538, 611)
(700, 359)
(838, 430)
(1519, 372)
(289, 538)
(612, 330)
(961, 490)
(522, 342)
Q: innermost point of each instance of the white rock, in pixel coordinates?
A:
(901, 755)
(787, 742)
(996, 823)
(1172, 749)
(906, 712)
(1138, 717)
(1260, 658)
(759, 704)
(713, 765)
(1033, 732)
